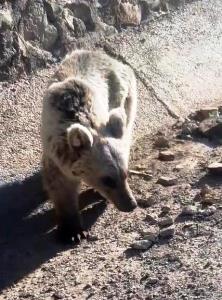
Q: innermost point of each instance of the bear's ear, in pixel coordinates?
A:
(117, 122)
(79, 137)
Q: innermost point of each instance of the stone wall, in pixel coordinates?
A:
(34, 33)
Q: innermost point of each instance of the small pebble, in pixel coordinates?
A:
(167, 221)
(150, 219)
(167, 233)
(205, 190)
(208, 196)
(92, 238)
(165, 209)
(87, 286)
(142, 245)
(189, 210)
(161, 142)
(179, 167)
(147, 202)
(209, 211)
(166, 156)
(58, 295)
(152, 281)
(150, 236)
(144, 175)
(209, 200)
(167, 181)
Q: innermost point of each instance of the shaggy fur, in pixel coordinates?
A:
(88, 114)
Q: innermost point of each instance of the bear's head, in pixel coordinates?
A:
(102, 162)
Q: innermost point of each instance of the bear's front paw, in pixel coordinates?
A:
(71, 231)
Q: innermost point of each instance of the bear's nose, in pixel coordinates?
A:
(128, 206)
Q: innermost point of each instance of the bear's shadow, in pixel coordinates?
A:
(27, 227)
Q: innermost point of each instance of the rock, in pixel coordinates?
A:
(37, 57)
(161, 142)
(107, 29)
(127, 12)
(35, 26)
(85, 11)
(208, 212)
(215, 168)
(26, 21)
(145, 175)
(58, 295)
(146, 202)
(167, 233)
(212, 129)
(179, 123)
(6, 20)
(165, 209)
(23, 56)
(22, 46)
(50, 37)
(7, 53)
(142, 245)
(207, 196)
(189, 210)
(211, 210)
(205, 113)
(191, 229)
(167, 181)
(166, 156)
(92, 238)
(205, 190)
(149, 235)
(68, 17)
(188, 128)
(53, 10)
(209, 200)
(151, 220)
(152, 281)
(178, 167)
(79, 28)
(149, 6)
(167, 221)
(87, 286)
(156, 5)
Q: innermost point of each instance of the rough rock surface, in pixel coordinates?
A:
(34, 33)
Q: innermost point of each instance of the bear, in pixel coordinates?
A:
(89, 108)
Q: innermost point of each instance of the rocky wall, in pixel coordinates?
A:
(35, 33)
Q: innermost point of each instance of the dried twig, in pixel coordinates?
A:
(145, 175)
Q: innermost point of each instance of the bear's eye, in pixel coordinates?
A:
(67, 103)
(109, 182)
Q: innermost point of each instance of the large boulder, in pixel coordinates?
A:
(85, 11)
(35, 26)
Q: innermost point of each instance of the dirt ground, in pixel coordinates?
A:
(186, 265)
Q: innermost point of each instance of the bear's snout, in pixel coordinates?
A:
(125, 201)
(127, 205)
